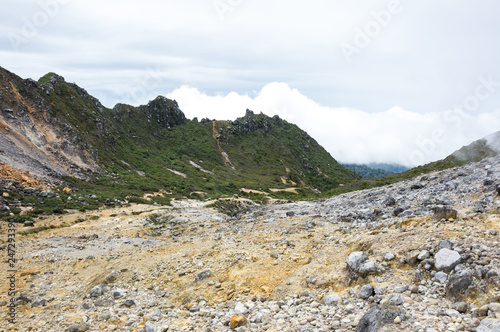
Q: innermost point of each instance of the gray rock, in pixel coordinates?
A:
(377, 317)
(397, 211)
(355, 259)
(127, 303)
(240, 309)
(366, 291)
(445, 212)
(29, 223)
(389, 201)
(118, 293)
(394, 299)
(194, 308)
(445, 244)
(96, 291)
(412, 257)
(83, 327)
(104, 303)
(446, 259)
(39, 302)
(491, 273)
(459, 282)
(331, 299)
(424, 254)
(494, 307)
(441, 277)
(203, 275)
(366, 268)
(389, 257)
(489, 325)
(461, 307)
(149, 327)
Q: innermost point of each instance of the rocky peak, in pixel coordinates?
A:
(165, 112)
(255, 122)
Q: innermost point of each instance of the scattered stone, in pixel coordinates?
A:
(445, 244)
(39, 302)
(96, 291)
(203, 275)
(118, 293)
(441, 277)
(424, 254)
(83, 327)
(412, 257)
(394, 299)
(127, 303)
(149, 327)
(237, 321)
(389, 257)
(29, 223)
(331, 299)
(389, 201)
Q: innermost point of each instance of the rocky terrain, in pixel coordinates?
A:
(418, 255)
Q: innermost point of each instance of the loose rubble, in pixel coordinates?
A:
(421, 255)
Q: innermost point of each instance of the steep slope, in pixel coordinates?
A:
(55, 129)
(34, 137)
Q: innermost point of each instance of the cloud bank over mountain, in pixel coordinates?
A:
(351, 135)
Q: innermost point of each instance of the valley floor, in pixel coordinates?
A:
(419, 255)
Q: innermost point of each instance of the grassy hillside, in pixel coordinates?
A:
(155, 147)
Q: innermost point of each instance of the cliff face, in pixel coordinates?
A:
(32, 138)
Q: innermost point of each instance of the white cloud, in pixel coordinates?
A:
(350, 135)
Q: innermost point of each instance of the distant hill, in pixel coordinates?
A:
(486, 147)
(375, 170)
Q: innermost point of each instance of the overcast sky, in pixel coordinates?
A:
(386, 81)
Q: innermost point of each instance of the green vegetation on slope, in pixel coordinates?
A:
(153, 147)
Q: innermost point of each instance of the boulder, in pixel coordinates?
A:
(444, 212)
(377, 317)
(458, 283)
(366, 268)
(366, 291)
(355, 259)
(489, 325)
(446, 259)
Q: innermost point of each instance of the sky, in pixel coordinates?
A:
(404, 82)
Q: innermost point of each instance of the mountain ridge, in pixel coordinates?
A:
(56, 129)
